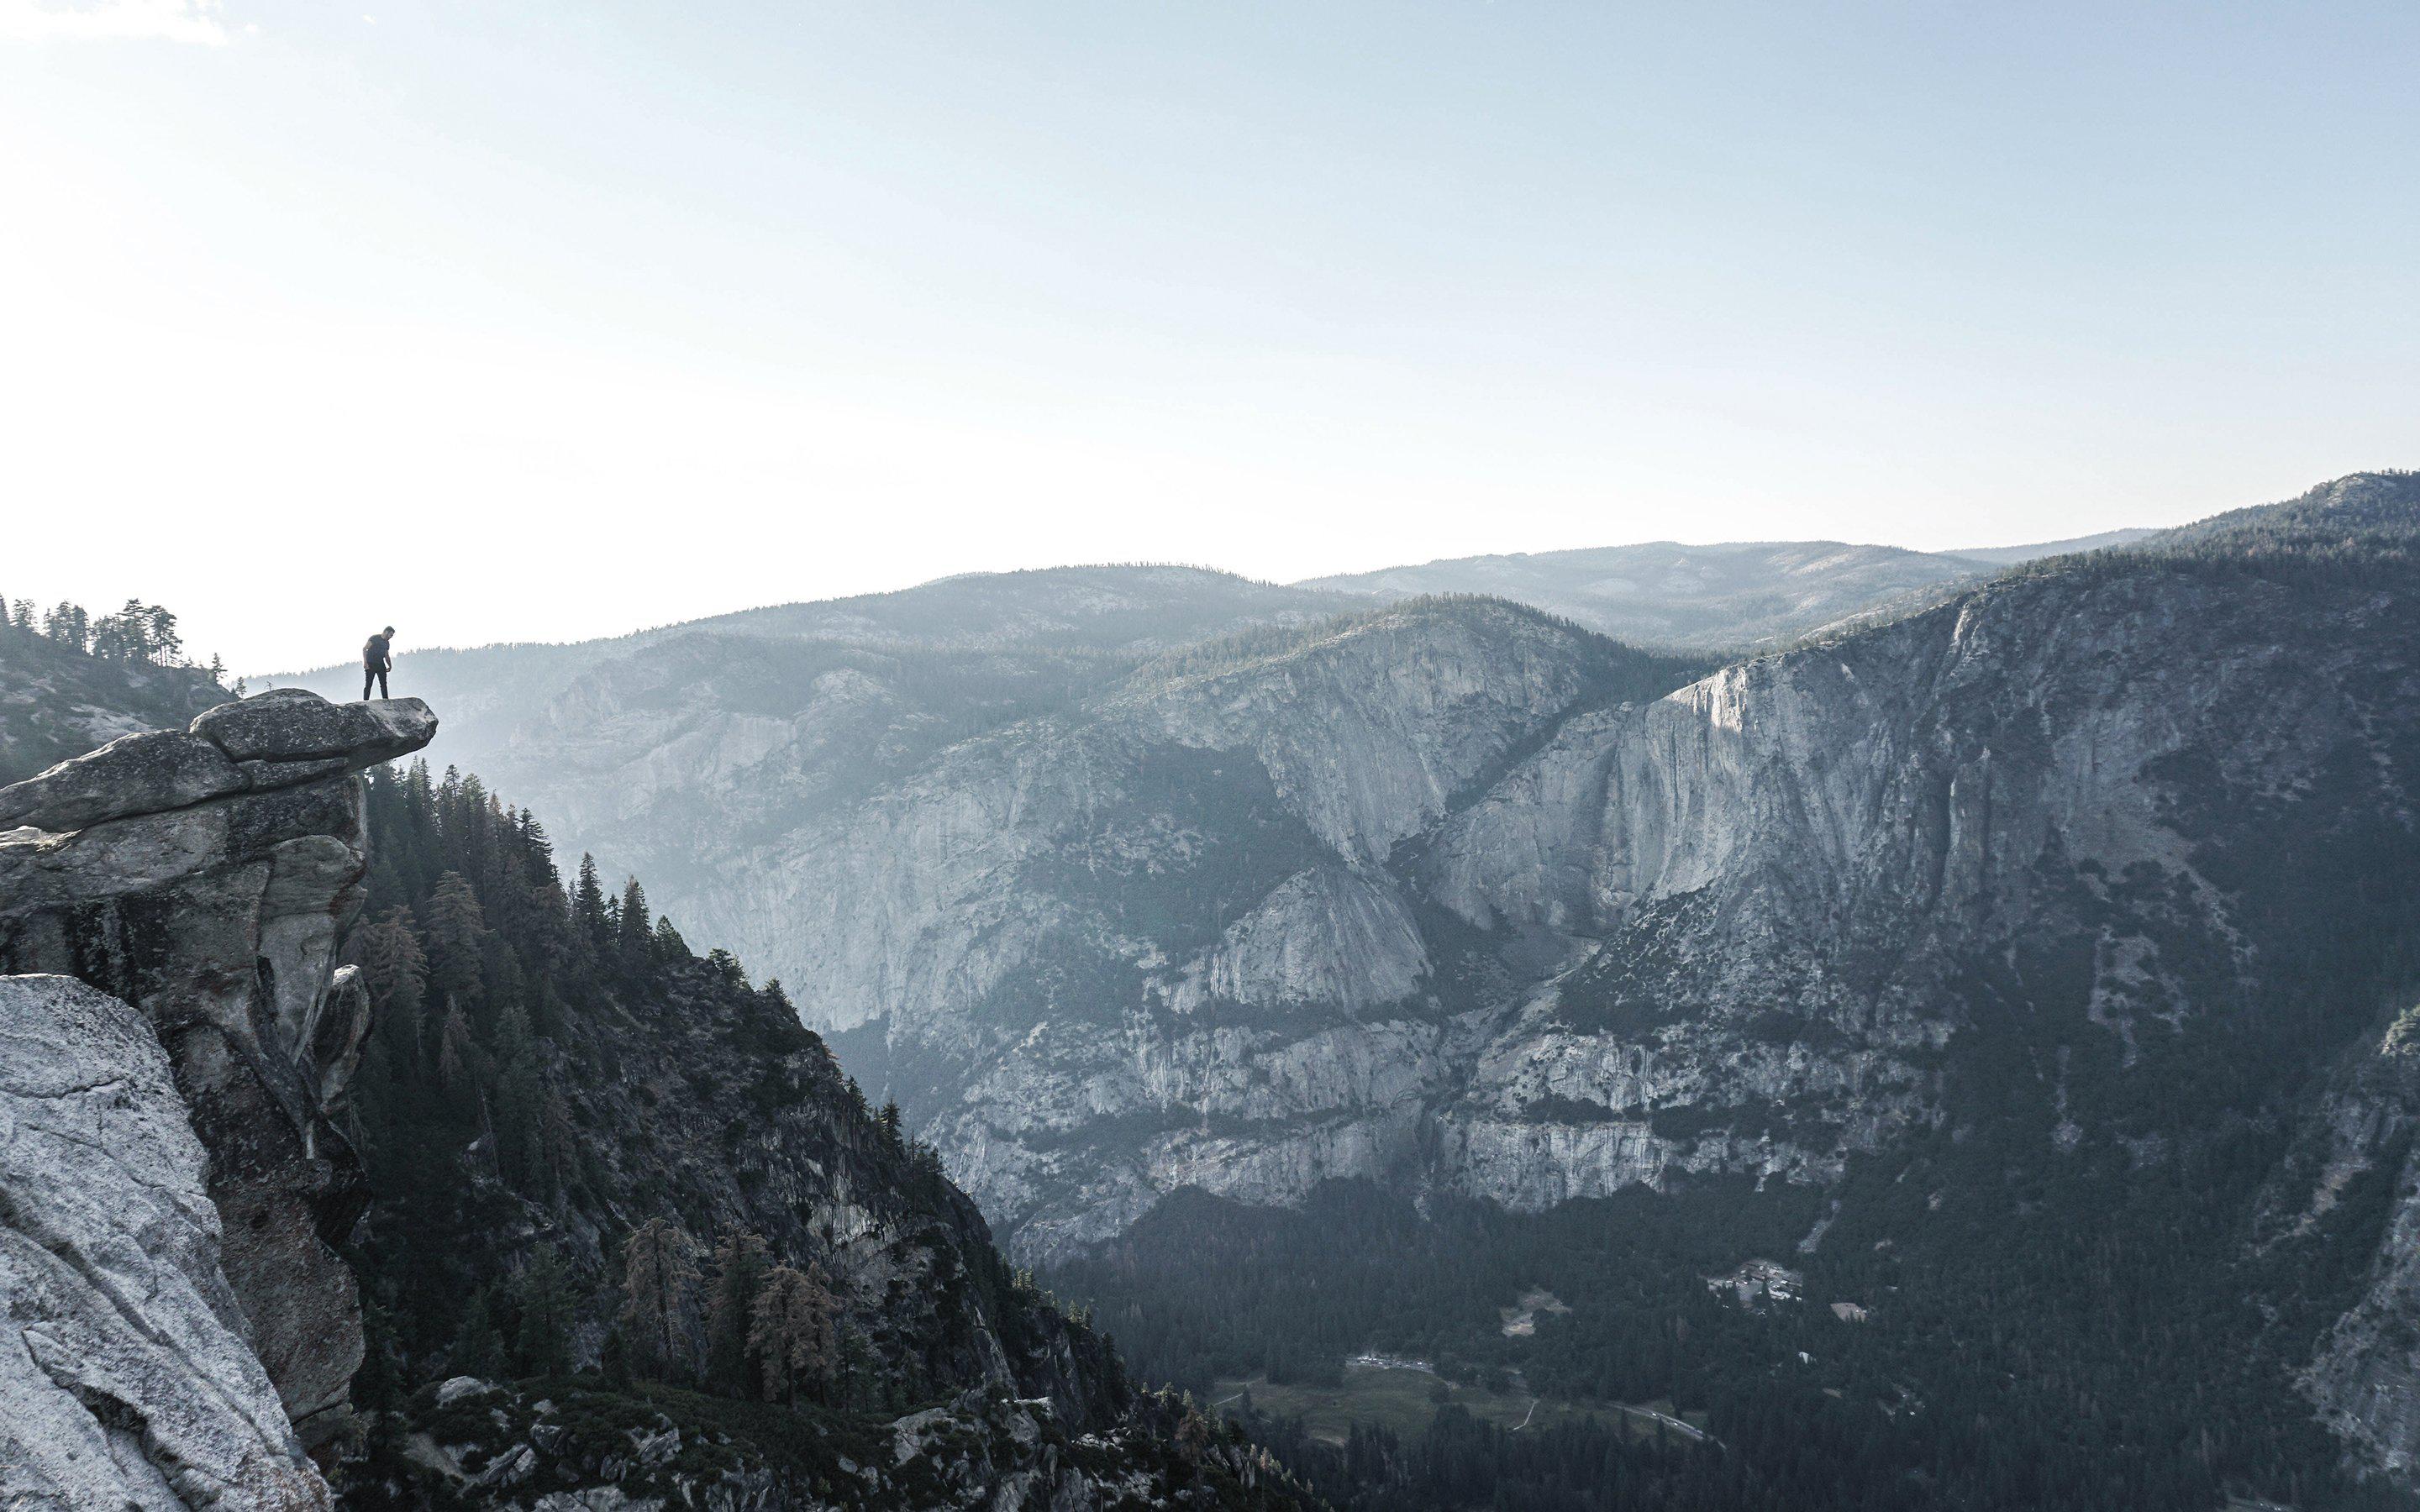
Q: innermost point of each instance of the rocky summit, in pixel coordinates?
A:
(206, 876)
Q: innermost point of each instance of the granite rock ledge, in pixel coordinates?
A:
(206, 876)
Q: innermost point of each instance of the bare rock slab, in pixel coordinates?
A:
(126, 1371)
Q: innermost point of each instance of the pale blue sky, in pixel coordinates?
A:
(677, 308)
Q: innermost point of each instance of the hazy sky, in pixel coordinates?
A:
(541, 319)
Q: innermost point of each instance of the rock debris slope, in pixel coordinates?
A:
(206, 876)
(126, 1370)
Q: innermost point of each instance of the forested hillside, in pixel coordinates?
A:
(591, 1148)
(70, 680)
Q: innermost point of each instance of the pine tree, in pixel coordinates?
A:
(558, 1145)
(588, 905)
(657, 1280)
(391, 958)
(637, 927)
(854, 1383)
(70, 625)
(457, 931)
(613, 1358)
(454, 1050)
(161, 642)
(740, 1261)
(791, 1333)
(519, 1100)
(378, 1384)
(478, 1348)
(542, 1343)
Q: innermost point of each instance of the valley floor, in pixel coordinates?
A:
(1402, 1400)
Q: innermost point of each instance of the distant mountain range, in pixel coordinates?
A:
(1731, 596)
(2008, 556)
(1740, 596)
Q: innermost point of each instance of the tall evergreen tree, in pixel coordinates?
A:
(740, 1263)
(637, 928)
(558, 1145)
(658, 1278)
(520, 1102)
(390, 957)
(542, 1341)
(458, 933)
(478, 1348)
(588, 905)
(791, 1333)
(454, 1050)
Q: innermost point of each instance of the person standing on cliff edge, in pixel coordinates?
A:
(378, 659)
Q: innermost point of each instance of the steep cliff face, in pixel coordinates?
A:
(1780, 884)
(1491, 937)
(1165, 812)
(2365, 1377)
(1421, 899)
(127, 1378)
(204, 876)
(1155, 939)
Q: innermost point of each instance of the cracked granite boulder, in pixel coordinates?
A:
(126, 1375)
(207, 876)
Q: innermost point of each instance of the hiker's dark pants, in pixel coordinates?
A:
(376, 674)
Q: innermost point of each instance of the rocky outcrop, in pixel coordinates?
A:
(127, 1375)
(206, 877)
(2363, 1378)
